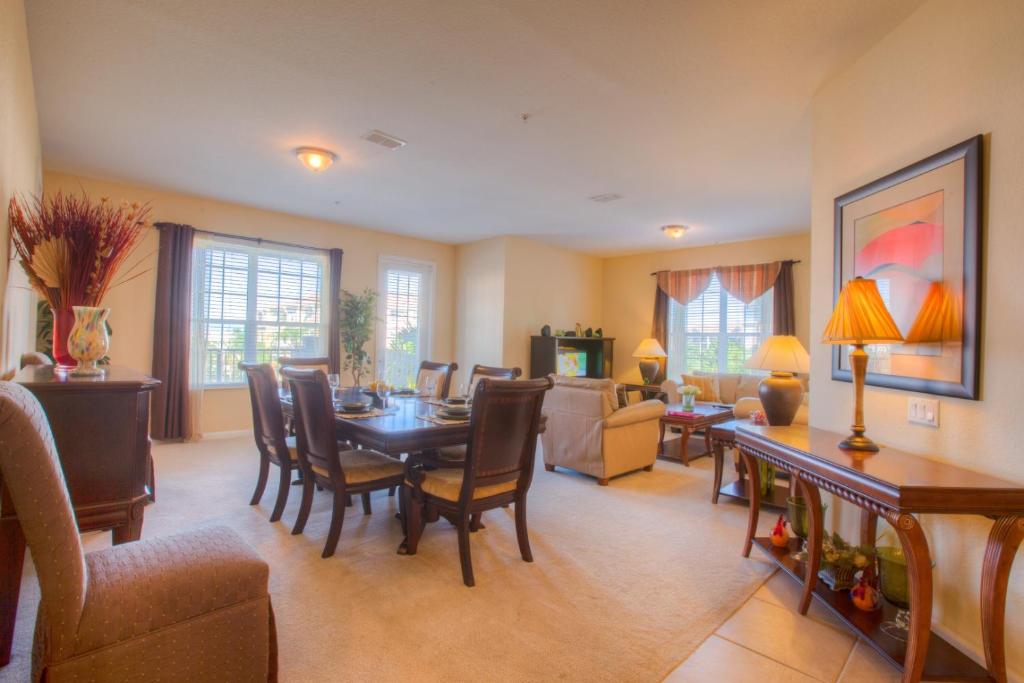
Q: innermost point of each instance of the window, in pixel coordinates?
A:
(403, 335)
(716, 332)
(254, 303)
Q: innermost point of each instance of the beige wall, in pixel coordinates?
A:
(547, 285)
(951, 70)
(629, 287)
(20, 173)
(132, 305)
(479, 304)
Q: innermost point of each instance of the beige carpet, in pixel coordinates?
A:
(627, 579)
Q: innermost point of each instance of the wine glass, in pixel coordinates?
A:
(429, 384)
(383, 391)
(892, 574)
(335, 381)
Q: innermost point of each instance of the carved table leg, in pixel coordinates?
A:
(919, 573)
(815, 524)
(12, 558)
(868, 527)
(1003, 541)
(684, 446)
(718, 449)
(754, 494)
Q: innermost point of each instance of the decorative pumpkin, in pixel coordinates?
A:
(864, 596)
(779, 535)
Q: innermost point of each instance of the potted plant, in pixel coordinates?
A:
(71, 247)
(357, 317)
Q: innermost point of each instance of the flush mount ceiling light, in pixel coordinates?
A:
(675, 231)
(314, 158)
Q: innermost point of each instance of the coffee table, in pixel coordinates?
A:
(702, 416)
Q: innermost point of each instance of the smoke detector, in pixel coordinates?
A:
(383, 139)
(606, 197)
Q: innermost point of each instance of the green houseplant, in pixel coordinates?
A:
(357, 318)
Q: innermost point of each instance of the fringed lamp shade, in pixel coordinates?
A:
(860, 317)
(939, 319)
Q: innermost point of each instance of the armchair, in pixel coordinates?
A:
(188, 607)
(588, 432)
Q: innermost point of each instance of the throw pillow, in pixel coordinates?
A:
(706, 384)
(620, 391)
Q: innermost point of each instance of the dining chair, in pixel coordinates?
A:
(440, 373)
(190, 606)
(497, 470)
(481, 371)
(317, 362)
(344, 471)
(272, 441)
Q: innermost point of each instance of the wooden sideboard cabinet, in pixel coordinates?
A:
(101, 428)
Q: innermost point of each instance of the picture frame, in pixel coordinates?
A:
(917, 231)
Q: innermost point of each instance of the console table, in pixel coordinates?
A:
(101, 429)
(894, 485)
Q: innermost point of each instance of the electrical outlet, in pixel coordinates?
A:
(923, 411)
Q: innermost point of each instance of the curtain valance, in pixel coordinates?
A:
(746, 283)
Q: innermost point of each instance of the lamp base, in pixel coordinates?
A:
(781, 394)
(858, 442)
(649, 368)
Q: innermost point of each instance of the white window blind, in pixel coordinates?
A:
(402, 340)
(254, 304)
(716, 332)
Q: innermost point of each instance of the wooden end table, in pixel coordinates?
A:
(647, 391)
(702, 416)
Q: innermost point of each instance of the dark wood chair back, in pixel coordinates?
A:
(481, 371)
(318, 362)
(443, 370)
(503, 433)
(315, 438)
(267, 418)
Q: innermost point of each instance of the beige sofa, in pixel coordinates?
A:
(588, 432)
(736, 390)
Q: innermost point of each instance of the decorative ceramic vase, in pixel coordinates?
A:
(63, 322)
(88, 341)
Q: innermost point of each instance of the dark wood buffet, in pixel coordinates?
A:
(101, 429)
(896, 486)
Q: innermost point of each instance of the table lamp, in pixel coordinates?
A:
(860, 317)
(939, 318)
(649, 352)
(781, 393)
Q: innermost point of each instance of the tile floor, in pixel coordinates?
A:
(765, 640)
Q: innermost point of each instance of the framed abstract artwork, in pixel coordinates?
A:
(917, 232)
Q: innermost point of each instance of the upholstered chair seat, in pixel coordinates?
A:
(188, 607)
(360, 466)
(447, 484)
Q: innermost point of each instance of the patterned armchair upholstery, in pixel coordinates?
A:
(192, 606)
(588, 432)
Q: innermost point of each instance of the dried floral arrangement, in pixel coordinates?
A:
(71, 247)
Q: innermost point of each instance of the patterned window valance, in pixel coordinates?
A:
(746, 283)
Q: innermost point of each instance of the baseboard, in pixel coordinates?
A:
(226, 435)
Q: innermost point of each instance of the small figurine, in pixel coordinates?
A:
(589, 332)
(599, 332)
(579, 330)
(864, 595)
(545, 331)
(779, 535)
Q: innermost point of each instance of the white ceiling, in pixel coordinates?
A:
(695, 112)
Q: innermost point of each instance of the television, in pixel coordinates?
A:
(572, 362)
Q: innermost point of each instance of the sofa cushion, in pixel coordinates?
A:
(727, 383)
(708, 385)
(748, 386)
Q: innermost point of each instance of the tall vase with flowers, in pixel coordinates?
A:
(71, 247)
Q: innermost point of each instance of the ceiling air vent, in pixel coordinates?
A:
(384, 140)
(606, 197)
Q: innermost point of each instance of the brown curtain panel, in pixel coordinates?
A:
(783, 303)
(659, 328)
(746, 283)
(684, 285)
(334, 314)
(170, 419)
